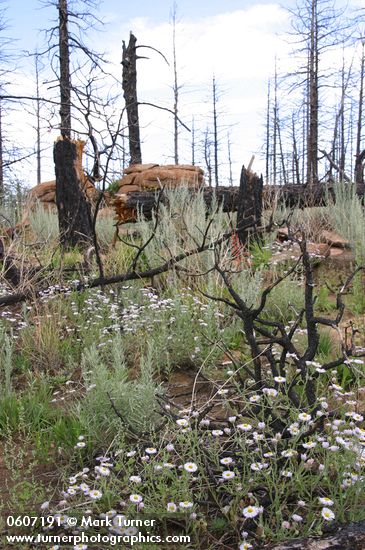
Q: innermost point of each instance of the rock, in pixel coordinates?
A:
(292, 253)
(153, 176)
(136, 168)
(318, 249)
(128, 189)
(334, 239)
(128, 179)
(335, 252)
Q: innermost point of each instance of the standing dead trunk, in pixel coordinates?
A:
(2, 190)
(74, 217)
(74, 214)
(38, 115)
(249, 206)
(360, 155)
(129, 84)
(65, 77)
(313, 100)
(215, 129)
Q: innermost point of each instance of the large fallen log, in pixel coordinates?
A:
(349, 537)
(127, 205)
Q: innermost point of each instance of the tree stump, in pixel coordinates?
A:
(74, 212)
(249, 209)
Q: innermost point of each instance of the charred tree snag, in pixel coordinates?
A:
(74, 216)
(359, 168)
(249, 209)
(65, 76)
(349, 537)
(74, 213)
(129, 84)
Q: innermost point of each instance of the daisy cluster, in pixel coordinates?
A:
(244, 464)
(178, 324)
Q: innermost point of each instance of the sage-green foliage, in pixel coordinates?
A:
(285, 301)
(44, 224)
(182, 225)
(106, 379)
(6, 364)
(348, 218)
(356, 300)
(105, 230)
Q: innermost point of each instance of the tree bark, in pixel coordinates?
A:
(360, 155)
(350, 537)
(129, 84)
(2, 189)
(249, 208)
(65, 77)
(290, 195)
(215, 130)
(312, 145)
(74, 213)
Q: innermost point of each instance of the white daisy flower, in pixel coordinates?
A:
(244, 427)
(185, 505)
(304, 417)
(309, 445)
(226, 460)
(135, 479)
(182, 422)
(136, 499)
(327, 514)
(325, 501)
(190, 467)
(251, 511)
(95, 494)
(151, 450)
(228, 474)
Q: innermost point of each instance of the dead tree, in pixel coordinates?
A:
(249, 209)
(1, 157)
(73, 211)
(215, 131)
(176, 87)
(346, 537)
(74, 214)
(129, 83)
(360, 155)
(38, 116)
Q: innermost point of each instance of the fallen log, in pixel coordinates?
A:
(127, 205)
(349, 537)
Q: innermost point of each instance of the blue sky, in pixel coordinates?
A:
(255, 31)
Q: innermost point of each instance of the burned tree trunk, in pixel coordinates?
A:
(74, 214)
(127, 205)
(359, 168)
(249, 207)
(129, 84)
(296, 196)
(65, 76)
(360, 155)
(349, 537)
(74, 217)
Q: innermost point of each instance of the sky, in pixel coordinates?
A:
(236, 40)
